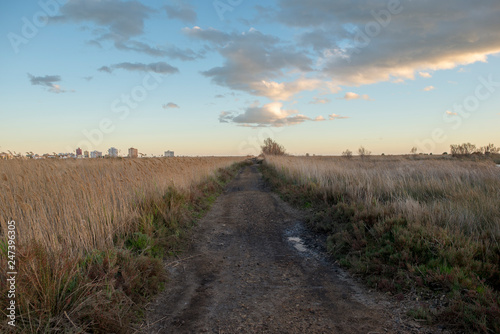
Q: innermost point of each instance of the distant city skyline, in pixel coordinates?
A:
(217, 78)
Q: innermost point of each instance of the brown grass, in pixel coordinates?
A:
(79, 206)
(424, 225)
(458, 195)
(91, 235)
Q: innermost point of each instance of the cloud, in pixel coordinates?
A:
(120, 20)
(159, 67)
(183, 12)
(186, 54)
(94, 43)
(170, 105)
(335, 116)
(271, 114)
(48, 81)
(451, 113)
(353, 96)
(317, 100)
(429, 88)
(255, 62)
(331, 45)
(106, 69)
(88, 78)
(211, 35)
(171, 52)
(226, 116)
(286, 90)
(407, 43)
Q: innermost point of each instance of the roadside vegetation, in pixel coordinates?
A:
(91, 235)
(426, 227)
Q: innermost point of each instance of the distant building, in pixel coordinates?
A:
(133, 153)
(96, 154)
(86, 154)
(169, 153)
(113, 152)
(5, 156)
(78, 151)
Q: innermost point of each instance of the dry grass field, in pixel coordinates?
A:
(406, 223)
(457, 195)
(80, 205)
(91, 234)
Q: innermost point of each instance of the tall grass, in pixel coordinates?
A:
(80, 205)
(404, 222)
(457, 195)
(91, 235)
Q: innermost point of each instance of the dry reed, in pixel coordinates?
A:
(77, 206)
(461, 196)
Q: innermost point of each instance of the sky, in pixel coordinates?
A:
(218, 77)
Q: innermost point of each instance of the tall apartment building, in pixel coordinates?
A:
(133, 152)
(113, 152)
(96, 154)
(169, 153)
(78, 151)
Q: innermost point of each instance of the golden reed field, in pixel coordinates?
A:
(79, 205)
(428, 227)
(91, 235)
(459, 195)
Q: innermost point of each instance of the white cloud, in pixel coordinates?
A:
(411, 42)
(425, 74)
(335, 116)
(451, 113)
(271, 114)
(429, 88)
(317, 100)
(285, 90)
(353, 96)
(170, 105)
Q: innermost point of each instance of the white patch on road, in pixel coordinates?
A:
(298, 244)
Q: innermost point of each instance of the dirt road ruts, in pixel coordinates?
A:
(254, 268)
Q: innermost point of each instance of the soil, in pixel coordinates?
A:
(254, 267)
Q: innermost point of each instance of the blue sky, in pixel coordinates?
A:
(216, 78)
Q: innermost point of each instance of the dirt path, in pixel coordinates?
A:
(254, 268)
